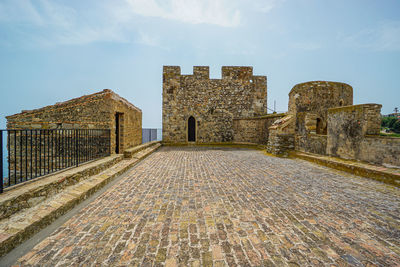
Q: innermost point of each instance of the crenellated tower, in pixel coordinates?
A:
(211, 104)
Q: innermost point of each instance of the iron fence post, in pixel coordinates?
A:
(76, 148)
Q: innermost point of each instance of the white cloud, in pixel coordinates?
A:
(55, 22)
(46, 23)
(216, 12)
(266, 6)
(145, 38)
(383, 37)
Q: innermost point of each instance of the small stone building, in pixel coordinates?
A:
(202, 110)
(102, 110)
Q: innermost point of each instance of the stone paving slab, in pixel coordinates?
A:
(191, 206)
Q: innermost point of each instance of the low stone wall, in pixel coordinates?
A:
(254, 130)
(348, 126)
(280, 144)
(311, 143)
(353, 133)
(380, 150)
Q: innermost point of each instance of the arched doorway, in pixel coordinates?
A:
(191, 129)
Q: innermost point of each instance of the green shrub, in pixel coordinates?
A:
(396, 127)
(388, 122)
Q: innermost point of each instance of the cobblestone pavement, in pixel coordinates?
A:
(209, 206)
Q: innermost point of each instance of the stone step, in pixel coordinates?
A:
(129, 153)
(20, 226)
(379, 173)
(32, 192)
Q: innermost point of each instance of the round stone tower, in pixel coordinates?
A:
(316, 97)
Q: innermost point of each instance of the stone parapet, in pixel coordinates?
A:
(280, 144)
(347, 128)
(254, 129)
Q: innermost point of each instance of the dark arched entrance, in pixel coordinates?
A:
(191, 129)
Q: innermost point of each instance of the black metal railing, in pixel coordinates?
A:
(34, 153)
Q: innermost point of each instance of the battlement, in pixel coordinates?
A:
(228, 73)
(175, 70)
(201, 72)
(237, 73)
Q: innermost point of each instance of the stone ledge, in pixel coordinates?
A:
(221, 144)
(128, 153)
(379, 173)
(32, 192)
(21, 226)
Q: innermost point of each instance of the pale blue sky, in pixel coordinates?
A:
(53, 50)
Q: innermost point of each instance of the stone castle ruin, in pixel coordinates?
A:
(321, 117)
(207, 206)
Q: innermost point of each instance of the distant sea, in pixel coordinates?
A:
(4, 159)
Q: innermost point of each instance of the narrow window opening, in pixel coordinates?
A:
(319, 126)
(191, 129)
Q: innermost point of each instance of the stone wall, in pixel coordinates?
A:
(311, 143)
(95, 111)
(280, 143)
(254, 130)
(213, 103)
(315, 98)
(383, 150)
(130, 122)
(353, 133)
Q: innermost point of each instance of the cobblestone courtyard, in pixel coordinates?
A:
(212, 206)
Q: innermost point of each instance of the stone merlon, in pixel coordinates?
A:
(228, 73)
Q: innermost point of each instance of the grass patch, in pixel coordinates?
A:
(390, 134)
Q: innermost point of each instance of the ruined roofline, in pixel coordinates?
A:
(227, 72)
(353, 107)
(318, 84)
(77, 100)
